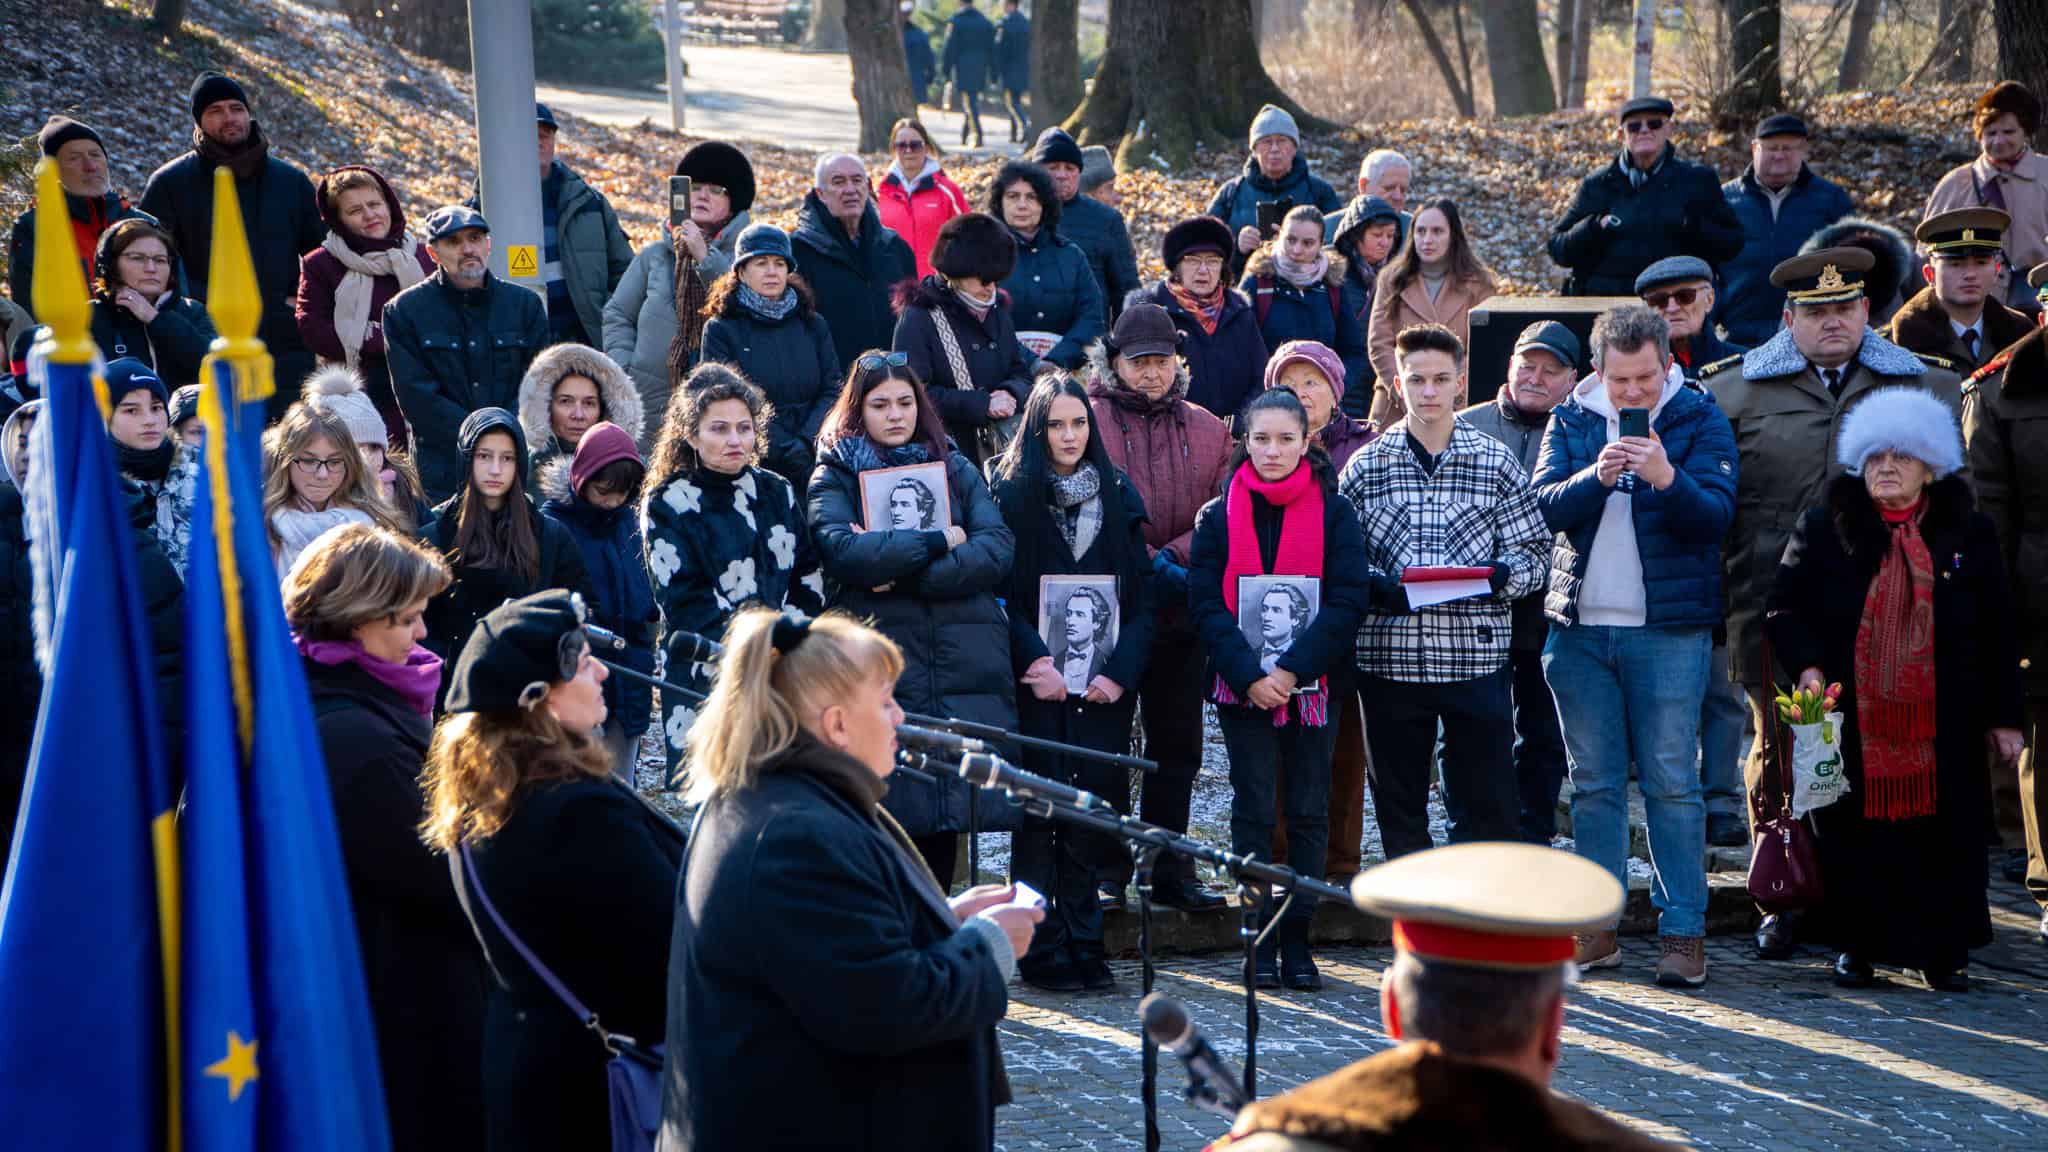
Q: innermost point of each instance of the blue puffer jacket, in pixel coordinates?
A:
(1237, 202)
(617, 569)
(1749, 305)
(1052, 290)
(1678, 530)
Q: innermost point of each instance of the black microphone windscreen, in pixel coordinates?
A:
(1166, 1022)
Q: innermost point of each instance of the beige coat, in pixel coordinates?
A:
(2026, 200)
(1392, 312)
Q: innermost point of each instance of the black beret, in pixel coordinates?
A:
(517, 652)
(719, 163)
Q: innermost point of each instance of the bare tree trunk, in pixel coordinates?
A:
(881, 77)
(1561, 46)
(167, 15)
(1956, 38)
(1755, 31)
(2021, 29)
(1461, 92)
(827, 32)
(1856, 48)
(1514, 59)
(1055, 60)
(1646, 43)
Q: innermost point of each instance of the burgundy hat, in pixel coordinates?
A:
(603, 443)
(1311, 352)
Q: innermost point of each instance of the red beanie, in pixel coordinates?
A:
(602, 444)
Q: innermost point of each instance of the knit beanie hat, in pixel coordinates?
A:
(1311, 352)
(603, 443)
(762, 240)
(1196, 234)
(185, 405)
(1098, 167)
(484, 420)
(517, 652)
(131, 375)
(212, 88)
(61, 130)
(335, 391)
(975, 245)
(716, 162)
(1056, 147)
(1274, 120)
(1909, 421)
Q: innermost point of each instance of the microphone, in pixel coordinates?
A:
(987, 770)
(1211, 1085)
(933, 738)
(691, 646)
(604, 636)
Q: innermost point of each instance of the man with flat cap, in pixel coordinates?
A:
(1483, 938)
(1786, 400)
(1780, 203)
(2005, 422)
(1640, 207)
(1681, 289)
(1958, 316)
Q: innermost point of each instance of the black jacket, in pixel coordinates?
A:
(852, 279)
(585, 872)
(421, 964)
(1052, 290)
(453, 614)
(822, 993)
(988, 345)
(1106, 240)
(453, 351)
(97, 215)
(940, 607)
(794, 362)
(1679, 211)
(622, 600)
(173, 344)
(1225, 368)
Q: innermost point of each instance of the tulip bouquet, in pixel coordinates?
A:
(1817, 778)
(1808, 705)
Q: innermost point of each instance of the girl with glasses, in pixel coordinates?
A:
(136, 310)
(317, 480)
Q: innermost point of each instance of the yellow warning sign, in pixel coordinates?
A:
(522, 260)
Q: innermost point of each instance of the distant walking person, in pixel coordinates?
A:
(970, 49)
(1013, 59)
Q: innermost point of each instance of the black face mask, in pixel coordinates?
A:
(151, 464)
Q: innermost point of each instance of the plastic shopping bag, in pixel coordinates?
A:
(1817, 776)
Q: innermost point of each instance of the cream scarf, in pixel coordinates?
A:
(352, 295)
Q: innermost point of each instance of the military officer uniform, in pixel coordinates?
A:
(1923, 324)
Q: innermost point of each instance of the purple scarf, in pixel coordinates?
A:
(416, 680)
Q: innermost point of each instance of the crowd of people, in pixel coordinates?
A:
(877, 455)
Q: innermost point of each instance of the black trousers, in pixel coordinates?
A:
(1539, 747)
(1013, 106)
(1275, 767)
(1401, 720)
(1170, 696)
(970, 113)
(1064, 861)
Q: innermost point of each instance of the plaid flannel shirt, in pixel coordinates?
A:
(1476, 509)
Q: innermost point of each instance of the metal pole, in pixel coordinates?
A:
(508, 152)
(672, 22)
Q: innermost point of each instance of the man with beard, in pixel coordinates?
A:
(278, 208)
(849, 258)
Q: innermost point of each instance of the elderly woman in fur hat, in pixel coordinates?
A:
(1895, 589)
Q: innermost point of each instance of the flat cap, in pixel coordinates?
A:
(1652, 105)
(1491, 905)
(449, 219)
(1551, 337)
(1783, 124)
(1673, 270)
(1964, 230)
(1824, 276)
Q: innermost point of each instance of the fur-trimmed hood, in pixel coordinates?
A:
(1261, 264)
(1780, 356)
(1103, 381)
(620, 395)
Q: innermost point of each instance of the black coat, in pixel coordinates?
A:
(1909, 892)
(615, 567)
(823, 994)
(424, 972)
(969, 51)
(585, 872)
(163, 603)
(988, 345)
(1225, 369)
(453, 351)
(453, 614)
(173, 344)
(1106, 240)
(941, 608)
(794, 362)
(1679, 211)
(1053, 290)
(1013, 51)
(24, 695)
(852, 279)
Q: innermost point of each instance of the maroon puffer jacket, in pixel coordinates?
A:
(1172, 450)
(320, 273)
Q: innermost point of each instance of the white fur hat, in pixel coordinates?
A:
(336, 391)
(1912, 421)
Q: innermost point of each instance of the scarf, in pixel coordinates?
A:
(690, 295)
(152, 465)
(861, 455)
(246, 162)
(977, 305)
(1300, 500)
(1207, 312)
(1302, 275)
(1076, 503)
(352, 296)
(776, 309)
(1895, 676)
(296, 528)
(415, 681)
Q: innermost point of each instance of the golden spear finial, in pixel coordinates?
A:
(58, 289)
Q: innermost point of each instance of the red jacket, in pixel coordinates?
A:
(1173, 451)
(916, 214)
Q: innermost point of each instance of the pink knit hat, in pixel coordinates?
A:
(602, 444)
(1312, 352)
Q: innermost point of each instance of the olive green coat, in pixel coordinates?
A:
(2005, 423)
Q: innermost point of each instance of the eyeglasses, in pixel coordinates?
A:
(1684, 296)
(880, 361)
(314, 467)
(713, 189)
(1651, 125)
(910, 145)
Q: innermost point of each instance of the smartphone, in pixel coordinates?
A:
(1270, 214)
(678, 200)
(1635, 422)
(1027, 897)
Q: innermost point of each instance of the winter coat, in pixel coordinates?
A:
(1703, 353)
(1785, 425)
(1678, 530)
(1226, 369)
(1361, 292)
(1104, 237)
(1523, 434)
(1052, 290)
(989, 346)
(425, 974)
(453, 614)
(1393, 311)
(173, 344)
(794, 362)
(615, 567)
(2005, 421)
(321, 273)
(939, 606)
(917, 53)
(163, 601)
(1921, 326)
(917, 211)
(1237, 202)
(90, 219)
(1285, 312)
(969, 51)
(23, 698)
(810, 940)
(165, 505)
(1171, 451)
(593, 247)
(1013, 51)
(852, 278)
(1679, 211)
(585, 872)
(1896, 275)
(640, 317)
(1908, 892)
(714, 543)
(1342, 437)
(617, 399)
(453, 351)
(1748, 305)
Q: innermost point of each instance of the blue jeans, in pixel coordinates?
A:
(1634, 694)
(1723, 715)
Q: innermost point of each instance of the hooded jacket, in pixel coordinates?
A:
(615, 568)
(852, 278)
(1315, 313)
(1678, 211)
(1748, 304)
(1225, 369)
(917, 209)
(1172, 452)
(617, 398)
(1052, 290)
(321, 272)
(91, 216)
(988, 345)
(640, 318)
(793, 361)
(173, 344)
(1237, 202)
(1896, 275)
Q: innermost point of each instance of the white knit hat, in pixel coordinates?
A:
(1911, 421)
(336, 391)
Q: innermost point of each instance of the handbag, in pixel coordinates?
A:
(1784, 870)
(632, 1076)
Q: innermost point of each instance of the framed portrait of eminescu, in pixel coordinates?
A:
(911, 498)
(1274, 611)
(1079, 620)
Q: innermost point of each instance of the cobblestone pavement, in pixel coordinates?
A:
(1766, 1056)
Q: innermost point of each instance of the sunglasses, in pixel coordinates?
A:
(881, 361)
(1650, 125)
(910, 145)
(1684, 296)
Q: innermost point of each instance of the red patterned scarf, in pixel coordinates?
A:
(1895, 676)
(1300, 500)
(1207, 312)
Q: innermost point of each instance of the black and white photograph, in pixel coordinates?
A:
(1078, 617)
(1273, 612)
(911, 498)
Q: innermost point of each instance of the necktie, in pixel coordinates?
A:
(1970, 345)
(1833, 378)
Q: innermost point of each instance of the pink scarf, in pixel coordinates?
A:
(416, 680)
(1300, 499)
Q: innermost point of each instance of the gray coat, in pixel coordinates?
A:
(640, 318)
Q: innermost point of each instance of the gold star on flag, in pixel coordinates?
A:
(238, 1067)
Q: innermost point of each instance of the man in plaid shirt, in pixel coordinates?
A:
(1436, 492)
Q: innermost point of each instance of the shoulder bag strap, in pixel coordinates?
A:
(951, 343)
(547, 976)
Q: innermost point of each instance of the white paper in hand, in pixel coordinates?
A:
(1026, 897)
(1422, 594)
